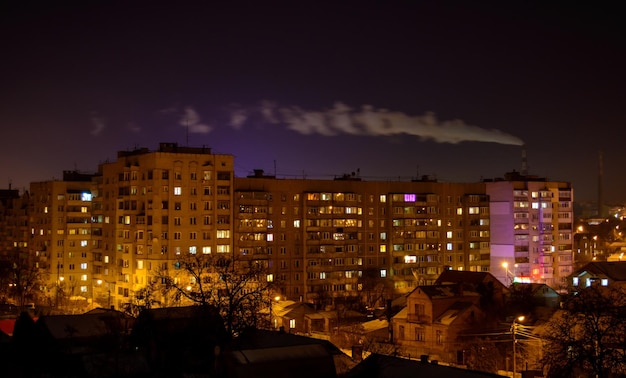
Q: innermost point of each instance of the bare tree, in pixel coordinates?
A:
(143, 299)
(587, 337)
(376, 288)
(21, 278)
(239, 289)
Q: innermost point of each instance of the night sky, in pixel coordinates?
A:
(450, 89)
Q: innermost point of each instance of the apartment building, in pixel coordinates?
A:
(343, 239)
(153, 206)
(532, 230)
(60, 222)
(103, 237)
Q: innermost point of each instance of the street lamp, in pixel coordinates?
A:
(505, 265)
(514, 331)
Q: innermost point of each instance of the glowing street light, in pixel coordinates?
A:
(505, 265)
(514, 331)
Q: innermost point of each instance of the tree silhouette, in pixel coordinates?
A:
(587, 337)
(239, 289)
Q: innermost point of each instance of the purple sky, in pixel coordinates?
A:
(318, 88)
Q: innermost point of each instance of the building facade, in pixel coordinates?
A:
(103, 237)
(532, 230)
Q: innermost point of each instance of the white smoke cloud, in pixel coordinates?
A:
(191, 121)
(97, 123)
(342, 119)
(238, 117)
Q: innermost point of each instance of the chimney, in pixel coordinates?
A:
(524, 161)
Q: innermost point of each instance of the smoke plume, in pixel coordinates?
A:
(342, 119)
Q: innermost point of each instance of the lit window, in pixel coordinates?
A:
(83, 277)
(449, 246)
(223, 248)
(206, 250)
(383, 273)
(383, 198)
(296, 223)
(605, 282)
(178, 191)
(292, 323)
(139, 264)
(410, 259)
(409, 198)
(575, 281)
(270, 278)
(83, 289)
(383, 248)
(106, 259)
(192, 249)
(322, 275)
(83, 266)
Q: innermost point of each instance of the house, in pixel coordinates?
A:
(484, 283)
(179, 340)
(277, 354)
(290, 316)
(73, 344)
(539, 301)
(602, 273)
(435, 316)
(383, 366)
(365, 337)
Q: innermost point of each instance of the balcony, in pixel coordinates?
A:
(415, 318)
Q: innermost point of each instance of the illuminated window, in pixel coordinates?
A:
(83, 266)
(292, 323)
(270, 278)
(223, 248)
(449, 246)
(383, 248)
(383, 273)
(178, 191)
(83, 277)
(409, 198)
(139, 264)
(206, 250)
(192, 249)
(383, 198)
(410, 259)
(223, 234)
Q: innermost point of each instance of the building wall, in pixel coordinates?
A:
(325, 241)
(540, 214)
(323, 237)
(157, 205)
